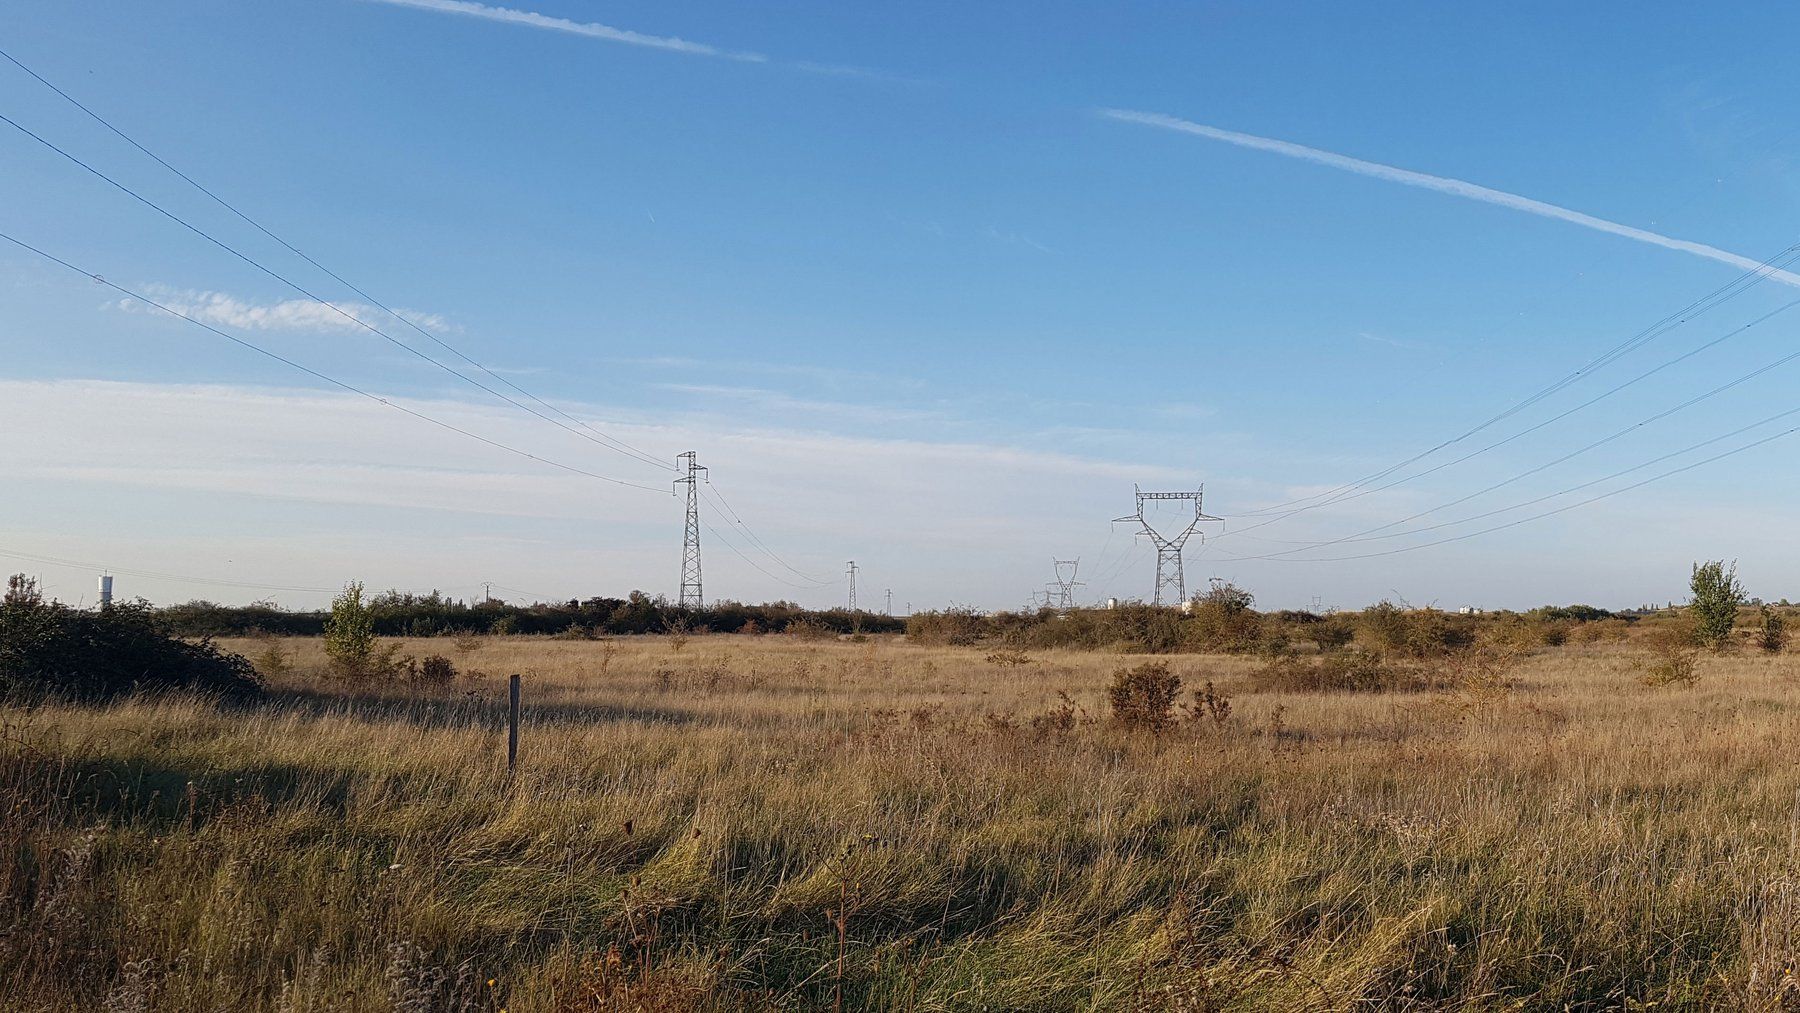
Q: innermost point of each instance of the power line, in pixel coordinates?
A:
(1557, 418)
(719, 498)
(1657, 417)
(1550, 513)
(234, 339)
(83, 564)
(609, 441)
(333, 307)
(1705, 303)
(1366, 537)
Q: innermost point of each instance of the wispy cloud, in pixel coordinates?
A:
(1444, 184)
(590, 29)
(286, 315)
(625, 36)
(1382, 339)
(1014, 239)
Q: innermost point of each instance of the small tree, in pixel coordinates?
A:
(22, 590)
(1772, 634)
(1716, 597)
(350, 633)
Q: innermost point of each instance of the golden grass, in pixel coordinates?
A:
(688, 827)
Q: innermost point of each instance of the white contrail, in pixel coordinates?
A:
(592, 30)
(1443, 184)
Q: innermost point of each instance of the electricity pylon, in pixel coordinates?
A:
(1169, 576)
(691, 596)
(852, 575)
(1065, 587)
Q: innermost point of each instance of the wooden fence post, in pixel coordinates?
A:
(512, 726)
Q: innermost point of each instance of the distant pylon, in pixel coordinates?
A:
(1064, 587)
(852, 574)
(890, 601)
(691, 596)
(1169, 576)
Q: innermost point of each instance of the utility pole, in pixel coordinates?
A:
(852, 575)
(691, 596)
(1169, 576)
(487, 592)
(1065, 586)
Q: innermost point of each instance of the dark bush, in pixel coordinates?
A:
(436, 670)
(1345, 672)
(50, 649)
(1222, 620)
(958, 627)
(1389, 629)
(1144, 697)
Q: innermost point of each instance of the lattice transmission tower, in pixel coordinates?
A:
(1063, 588)
(852, 575)
(691, 596)
(1169, 576)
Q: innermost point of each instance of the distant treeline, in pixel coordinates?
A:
(1223, 620)
(413, 615)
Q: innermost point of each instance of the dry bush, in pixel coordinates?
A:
(434, 672)
(1144, 697)
(1209, 706)
(1347, 672)
(956, 627)
(1771, 631)
(1600, 631)
(272, 662)
(1674, 653)
(809, 630)
(1397, 631)
(1008, 659)
(677, 635)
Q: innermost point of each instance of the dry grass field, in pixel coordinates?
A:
(774, 823)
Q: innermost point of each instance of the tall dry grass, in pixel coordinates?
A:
(770, 823)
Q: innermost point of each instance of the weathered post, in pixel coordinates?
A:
(512, 726)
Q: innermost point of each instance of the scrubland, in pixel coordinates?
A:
(768, 822)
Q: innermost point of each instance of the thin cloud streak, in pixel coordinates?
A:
(286, 315)
(589, 29)
(1444, 184)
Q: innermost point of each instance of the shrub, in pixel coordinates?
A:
(1346, 672)
(49, 649)
(1674, 657)
(1390, 629)
(1716, 597)
(1059, 720)
(435, 670)
(350, 634)
(1008, 659)
(1222, 620)
(1771, 632)
(1146, 629)
(1332, 634)
(1144, 697)
(273, 662)
(1209, 705)
(809, 629)
(956, 627)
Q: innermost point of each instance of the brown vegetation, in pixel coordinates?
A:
(775, 823)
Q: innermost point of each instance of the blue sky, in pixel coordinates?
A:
(911, 291)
